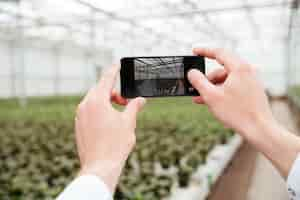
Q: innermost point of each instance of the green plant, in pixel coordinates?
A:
(38, 155)
(294, 100)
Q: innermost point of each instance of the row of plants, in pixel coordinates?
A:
(294, 101)
(38, 154)
(294, 93)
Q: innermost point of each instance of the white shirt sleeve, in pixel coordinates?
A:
(293, 181)
(86, 187)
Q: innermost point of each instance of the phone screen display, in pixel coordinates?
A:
(159, 76)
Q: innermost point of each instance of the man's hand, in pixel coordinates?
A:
(105, 136)
(236, 97)
(233, 94)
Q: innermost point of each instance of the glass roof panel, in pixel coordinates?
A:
(5, 18)
(58, 7)
(270, 2)
(177, 22)
(207, 4)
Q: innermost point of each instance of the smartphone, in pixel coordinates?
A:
(158, 76)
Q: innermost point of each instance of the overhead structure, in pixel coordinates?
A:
(80, 37)
(293, 71)
(144, 25)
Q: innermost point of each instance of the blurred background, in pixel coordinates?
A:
(53, 51)
(53, 47)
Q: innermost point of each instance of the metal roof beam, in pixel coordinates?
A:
(37, 20)
(213, 26)
(295, 4)
(254, 26)
(209, 11)
(131, 21)
(40, 22)
(44, 23)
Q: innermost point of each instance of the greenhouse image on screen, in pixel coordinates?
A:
(159, 76)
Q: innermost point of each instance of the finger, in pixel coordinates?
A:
(217, 76)
(118, 99)
(134, 107)
(79, 141)
(91, 93)
(201, 83)
(108, 80)
(228, 60)
(198, 100)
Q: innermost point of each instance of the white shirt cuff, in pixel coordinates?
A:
(293, 181)
(86, 187)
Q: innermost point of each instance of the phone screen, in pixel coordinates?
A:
(160, 76)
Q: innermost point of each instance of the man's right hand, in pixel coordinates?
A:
(233, 94)
(236, 97)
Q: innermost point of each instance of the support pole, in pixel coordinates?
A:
(290, 70)
(90, 54)
(21, 76)
(13, 89)
(57, 77)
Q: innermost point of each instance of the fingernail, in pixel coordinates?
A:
(191, 72)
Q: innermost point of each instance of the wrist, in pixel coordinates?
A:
(108, 171)
(279, 145)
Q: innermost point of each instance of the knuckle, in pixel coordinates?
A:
(102, 82)
(247, 69)
(207, 96)
(197, 83)
(92, 102)
(220, 51)
(210, 93)
(252, 69)
(221, 54)
(213, 96)
(108, 72)
(80, 108)
(132, 140)
(208, 99)
(219, 95)
(105, 75)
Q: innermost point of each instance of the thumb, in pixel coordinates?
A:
(201, 83)
(134, 107)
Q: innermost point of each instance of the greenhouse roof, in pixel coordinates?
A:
(180, 23)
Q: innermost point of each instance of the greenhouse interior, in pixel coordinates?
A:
(53, 52)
